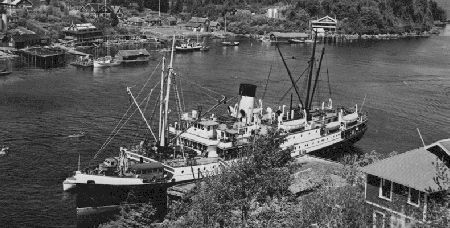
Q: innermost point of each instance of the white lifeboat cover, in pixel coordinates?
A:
(293, 124)
(351, 117)
(332, 125)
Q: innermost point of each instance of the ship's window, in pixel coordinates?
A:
(182, 171)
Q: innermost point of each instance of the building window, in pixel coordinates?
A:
(378, 219)
(413, 197)
(385, 189)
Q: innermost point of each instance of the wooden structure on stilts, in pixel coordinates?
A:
(43, 57)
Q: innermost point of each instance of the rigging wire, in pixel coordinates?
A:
(112, 134)
(328, 77)
(111, 138)
(209, 95)
(287, 92)
(268, 78)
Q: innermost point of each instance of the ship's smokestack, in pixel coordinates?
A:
(247, 93)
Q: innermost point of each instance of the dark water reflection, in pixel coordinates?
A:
(406, 84)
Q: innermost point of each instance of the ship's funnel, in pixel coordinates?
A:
(247, 93)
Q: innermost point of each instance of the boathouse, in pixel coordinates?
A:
(326, 23)
(82, 32)
(133, 56)
(399, 188)
(286, 36)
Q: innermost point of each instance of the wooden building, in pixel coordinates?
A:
(198, 24)
(12, 5)
(326, 24)
(399, 188)
(171, 21)
(43, 57)
(118, 11)
(136, 21)
(214, 26)
(82, 32)
(96, 10)
(133, 56)
(20, 41)
(286, 36)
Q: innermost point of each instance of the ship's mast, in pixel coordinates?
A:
(166, 98)
(317, 78)
(311, 62)
(290, 76)
(161, 99)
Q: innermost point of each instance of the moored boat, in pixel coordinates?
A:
(230, 43)
(83, 62)
(188, 46)
(106, 61)
(295, 41)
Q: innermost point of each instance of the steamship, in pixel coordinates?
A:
(199, 144)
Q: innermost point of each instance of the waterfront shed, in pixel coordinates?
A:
(285, 36)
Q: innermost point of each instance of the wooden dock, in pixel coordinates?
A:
(70, 50)
(43, 57)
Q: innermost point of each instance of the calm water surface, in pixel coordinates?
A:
(406, 84)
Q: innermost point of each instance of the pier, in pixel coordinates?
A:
(43, 57)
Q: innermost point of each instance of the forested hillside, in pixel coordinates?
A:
(356, 16)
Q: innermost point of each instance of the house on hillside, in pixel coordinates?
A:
(82, 32)
(118, 11)
(136, 21)
(133, 6)
(13, 5)
(324, 24)
(96, 10)
(399, 188)
(198, 24)
(214, 26)
(171, 21)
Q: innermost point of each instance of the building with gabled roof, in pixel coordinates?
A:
(326, 23)
(399, 188)
(198, 24)
(118, 11)
(82, 32)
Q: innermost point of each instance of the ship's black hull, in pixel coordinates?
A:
(349, 137)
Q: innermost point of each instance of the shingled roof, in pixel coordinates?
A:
(416, 168)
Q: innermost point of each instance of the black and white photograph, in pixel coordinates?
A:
(225, 113)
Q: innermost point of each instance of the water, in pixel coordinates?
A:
(406, 84)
